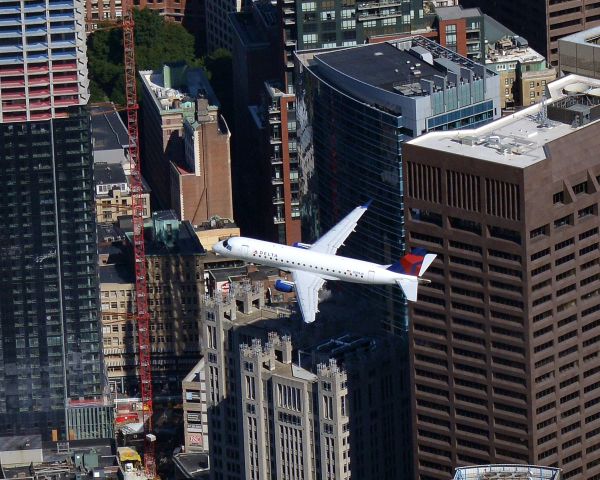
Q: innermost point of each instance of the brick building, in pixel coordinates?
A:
(504, 341)
(186, 144)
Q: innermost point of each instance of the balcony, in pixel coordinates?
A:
(66, 90)
(43, 92)
(35, 69)
(276, 160)
(278, 220)
(70, 77)
(38, 105)
(13, 95)
(40, 19)
(384, 3)
(12, 83)
(39, 81)
(277, 181)
(278, 200)
(13, 108)
(64, 66)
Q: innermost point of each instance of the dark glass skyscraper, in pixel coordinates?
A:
(50, 349)
(355, 108)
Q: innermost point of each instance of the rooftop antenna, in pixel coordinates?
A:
(542, 116)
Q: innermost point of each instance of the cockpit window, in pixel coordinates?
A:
(226, 245)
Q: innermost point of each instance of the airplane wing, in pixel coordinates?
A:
(333, 239)
(307, 286)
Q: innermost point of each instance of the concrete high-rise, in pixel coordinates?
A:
(355, 109)
(330, 410)
(51, 350)
(543, 22)
(504, 341)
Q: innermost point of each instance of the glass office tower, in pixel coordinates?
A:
(355, 109)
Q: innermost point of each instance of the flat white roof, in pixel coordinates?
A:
(517, 140)
(584, 37)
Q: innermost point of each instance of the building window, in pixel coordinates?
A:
(309, 38)
(580, 188)
(309, 6)
(558, 197)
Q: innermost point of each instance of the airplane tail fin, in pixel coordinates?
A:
(415, 263)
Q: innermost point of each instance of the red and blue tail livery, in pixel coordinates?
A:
(414, 263)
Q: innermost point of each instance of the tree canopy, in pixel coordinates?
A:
(156, 42)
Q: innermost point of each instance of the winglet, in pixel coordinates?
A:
(367, 205)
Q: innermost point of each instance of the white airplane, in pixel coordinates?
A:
(312, 265)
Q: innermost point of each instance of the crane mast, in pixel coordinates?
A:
(141, 286)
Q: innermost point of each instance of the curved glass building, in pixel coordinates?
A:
(355, 109)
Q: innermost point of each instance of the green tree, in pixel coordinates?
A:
(156, 42)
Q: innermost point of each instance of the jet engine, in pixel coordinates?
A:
(304, 246)
(284, 286)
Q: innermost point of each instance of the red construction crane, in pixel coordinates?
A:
(141, 286)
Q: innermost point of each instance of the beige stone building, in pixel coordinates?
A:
(195, 409)
(175, 266)
(523, 72)
(215, 230)
(113, 195)
(321, 408)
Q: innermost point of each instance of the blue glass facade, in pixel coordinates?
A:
(50, 349)
(350, 136)
(351, 152)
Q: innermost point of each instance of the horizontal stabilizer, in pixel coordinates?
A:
(409, 288)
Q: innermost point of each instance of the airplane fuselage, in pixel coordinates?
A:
(330, 267)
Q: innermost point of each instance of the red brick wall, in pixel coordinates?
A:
(461, 34)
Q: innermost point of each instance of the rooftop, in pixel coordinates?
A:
(381, 65)
(520, 54)
(116, 273)
(591, 37)
(517, 140)
(108, 130)
(457, 12)
(176, 88)
(194, 375)
(108, 233)
(414, 66)
(20, 442)
(507, 472)
(109, 174)
(193, 465)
